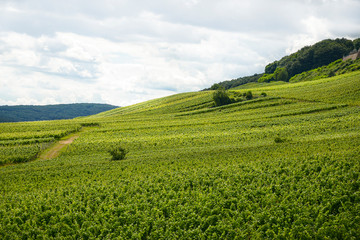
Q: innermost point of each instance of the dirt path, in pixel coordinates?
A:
(55, 150)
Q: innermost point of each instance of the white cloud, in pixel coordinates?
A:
(123, 52)
(316, 29)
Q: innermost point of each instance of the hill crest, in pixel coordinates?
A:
(21, 113)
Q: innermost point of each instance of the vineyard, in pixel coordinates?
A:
(281, 166)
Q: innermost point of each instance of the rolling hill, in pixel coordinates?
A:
(284, 166)
(23, 113)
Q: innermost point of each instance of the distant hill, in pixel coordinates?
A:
(308, 58)
(22, 113)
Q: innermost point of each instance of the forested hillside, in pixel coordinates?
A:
(236, 82)
(50, 112)
(311, 57)
(307, 58)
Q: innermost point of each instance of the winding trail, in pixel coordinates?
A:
(55, 150)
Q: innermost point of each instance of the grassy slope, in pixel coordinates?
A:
(341, 89)
(283, 166)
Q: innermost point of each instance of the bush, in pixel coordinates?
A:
(249, 95)
(118, 153)
(221, 97)
(279, 140)
(263, 94)
(90, 124)
(266, 78)
(331, 74)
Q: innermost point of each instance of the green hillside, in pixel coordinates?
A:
(311, 57)
(320, 60)
(337, 67)
(284, 166)
(343, 89)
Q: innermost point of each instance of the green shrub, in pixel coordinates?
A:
(331, 74)
(279, 140)
(266, 78)
(90, 124)
(221, 97)
(249, 95)
(281, 74)
(118, 153)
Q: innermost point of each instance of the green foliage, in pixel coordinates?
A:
(215, 86)
(118, 153)
(22, 142)
(90, 124)
(337, 67)
(342, 89)
(248, 95)
(196, 174)
(357, 44)
(266, 78)
(221, 97)
(236, 82)
(271, 67)
(331, 73)
(279, 140)
(311, 57)
(281, 74)
(307, 58)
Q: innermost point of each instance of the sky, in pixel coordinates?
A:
(122, 52)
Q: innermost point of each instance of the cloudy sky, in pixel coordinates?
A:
(127, 51)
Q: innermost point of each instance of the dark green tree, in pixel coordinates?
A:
(215, 86)
(357, 43)
(271, 67)
(281, 74)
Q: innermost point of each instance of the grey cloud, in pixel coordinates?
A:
(75, 74)
(121, 20)
(184, 44)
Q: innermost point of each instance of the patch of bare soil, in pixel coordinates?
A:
(54, 151)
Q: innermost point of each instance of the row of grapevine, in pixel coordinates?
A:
(284, 166)
(23, 142)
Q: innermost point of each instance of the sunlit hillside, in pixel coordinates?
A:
(284, 165)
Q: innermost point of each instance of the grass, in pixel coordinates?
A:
(284, 166)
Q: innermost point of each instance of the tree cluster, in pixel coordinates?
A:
(280, 74)
(221, 97)
(307, 58)
(311, 57)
